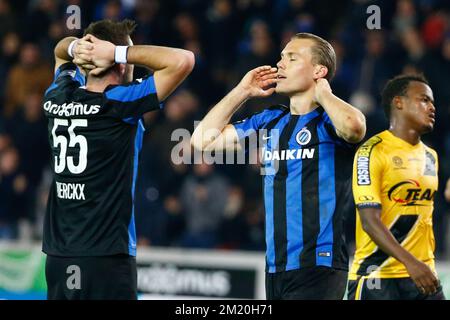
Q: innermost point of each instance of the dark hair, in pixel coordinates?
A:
(322, 52)
(395, 87)
(116, 32)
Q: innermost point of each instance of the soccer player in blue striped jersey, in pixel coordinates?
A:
(309, 145)
(95, 129)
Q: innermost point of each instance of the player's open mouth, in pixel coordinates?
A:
(281, 76)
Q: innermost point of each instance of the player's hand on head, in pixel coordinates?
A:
(92, 51)
(260, 82)
(79, 59)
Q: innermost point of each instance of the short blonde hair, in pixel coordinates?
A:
(322, 52)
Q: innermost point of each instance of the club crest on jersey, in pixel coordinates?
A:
(303, 136)
(398, 162)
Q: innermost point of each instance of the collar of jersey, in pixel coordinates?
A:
(310, 115)
(402, 143)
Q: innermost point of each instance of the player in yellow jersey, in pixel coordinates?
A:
(394, 183)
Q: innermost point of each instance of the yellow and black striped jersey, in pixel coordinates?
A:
(401, 179)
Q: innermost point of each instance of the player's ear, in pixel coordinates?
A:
(397, 103)
(320, 71)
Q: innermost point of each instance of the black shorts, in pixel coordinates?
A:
(317, 283)
(91, 278)
(388, 289)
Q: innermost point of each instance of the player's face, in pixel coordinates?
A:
(420, 106)
(295, 69)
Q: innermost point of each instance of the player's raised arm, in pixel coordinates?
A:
(349, 122)
(61, 51)
(170, 65)
(62, 55)
(214, 132)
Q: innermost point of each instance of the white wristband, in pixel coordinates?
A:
(120, 54)
(70, 48)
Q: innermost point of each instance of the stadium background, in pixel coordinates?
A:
(194, 222)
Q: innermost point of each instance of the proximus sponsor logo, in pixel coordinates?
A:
(71, 109)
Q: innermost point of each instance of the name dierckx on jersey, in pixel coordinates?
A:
(70, 191)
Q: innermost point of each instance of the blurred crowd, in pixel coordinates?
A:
(211, 206)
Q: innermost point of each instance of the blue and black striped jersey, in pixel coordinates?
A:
(95, 139)
(307, 188)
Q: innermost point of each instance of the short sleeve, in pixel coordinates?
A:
(367, 174)
(67, 74)
(132, 100)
